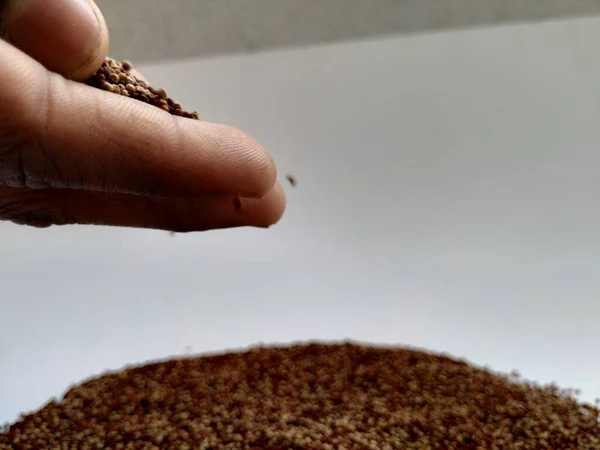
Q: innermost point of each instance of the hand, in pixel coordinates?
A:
(70, 153)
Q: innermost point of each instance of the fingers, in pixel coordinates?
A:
(103, 148)
(43, 208)
(69, 135)
(68, 37)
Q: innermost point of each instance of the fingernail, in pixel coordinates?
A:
(60, 34)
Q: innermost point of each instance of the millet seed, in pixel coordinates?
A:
(315, 397)
(116, 77)
(291, 179)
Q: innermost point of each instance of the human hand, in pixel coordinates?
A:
(70, 153)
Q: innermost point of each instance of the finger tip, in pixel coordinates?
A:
(97, 53)
(279, 202)
(267, 211)
(257, 170)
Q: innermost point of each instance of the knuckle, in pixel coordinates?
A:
(25, 164)
(24, 160)
(15, 170)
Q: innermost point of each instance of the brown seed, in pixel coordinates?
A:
(291, 179)
(114, 77)
(314, 397)
(162, 94)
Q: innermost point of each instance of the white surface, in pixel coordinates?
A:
(448, 198)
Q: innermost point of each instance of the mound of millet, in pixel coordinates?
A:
(316, 396)
(117, 77)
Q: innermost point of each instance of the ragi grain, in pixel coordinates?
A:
(117, 77)
(320, 397)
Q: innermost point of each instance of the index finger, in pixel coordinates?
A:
(76, 136)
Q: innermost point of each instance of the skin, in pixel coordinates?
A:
(70, 153)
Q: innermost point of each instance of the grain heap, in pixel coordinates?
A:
(117, 77)
(309, 397)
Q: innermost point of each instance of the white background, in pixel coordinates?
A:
(448, 198)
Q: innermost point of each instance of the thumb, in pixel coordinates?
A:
(68, 37)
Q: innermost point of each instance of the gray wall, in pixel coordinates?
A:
(151, 30)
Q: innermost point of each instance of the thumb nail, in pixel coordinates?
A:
(63, 35)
